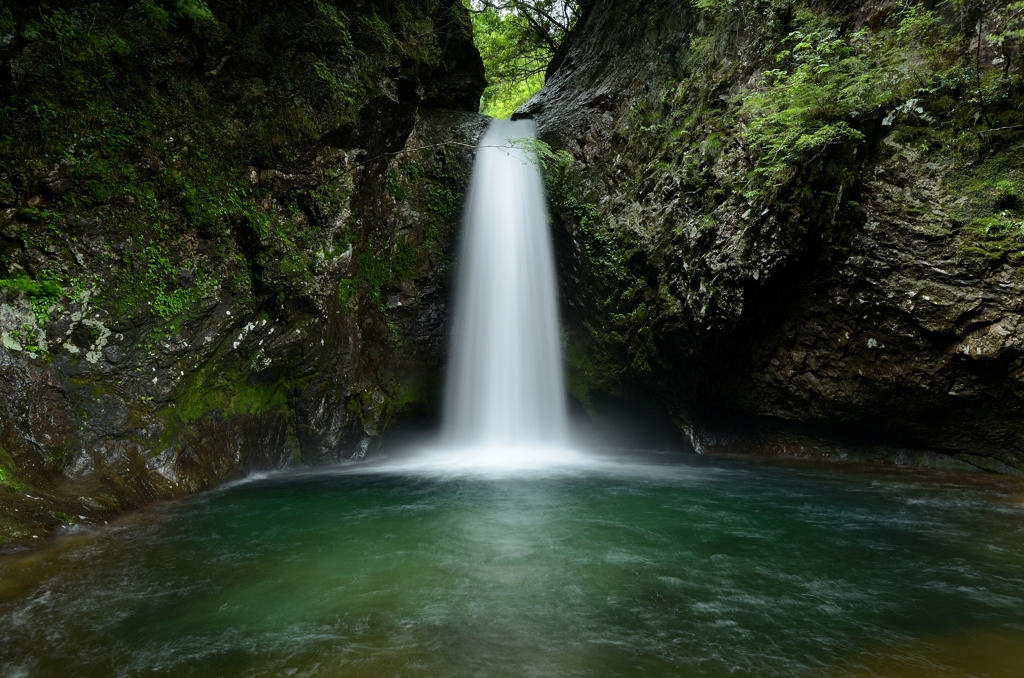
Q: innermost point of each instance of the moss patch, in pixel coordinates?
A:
(228, 393)
(8, 473)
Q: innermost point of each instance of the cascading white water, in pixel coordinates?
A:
(505, 385)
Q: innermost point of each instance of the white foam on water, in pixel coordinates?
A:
(493, 459)
(500, 462)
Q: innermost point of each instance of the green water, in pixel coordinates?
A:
(663, 565)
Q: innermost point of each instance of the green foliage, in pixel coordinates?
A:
(513, 63)
(43, 294)
(164, 14)
(556, 167)
(553, 163)
(517, 39)
(808, 116)
(194, 10)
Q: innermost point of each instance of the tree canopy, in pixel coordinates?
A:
(517, 40)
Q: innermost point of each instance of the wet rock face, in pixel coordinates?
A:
(241, 263)
(863, 304)
(898, 333)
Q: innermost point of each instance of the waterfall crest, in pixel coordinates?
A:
(505, 383)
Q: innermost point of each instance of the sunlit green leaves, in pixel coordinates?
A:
(517, 39)
(513, 60)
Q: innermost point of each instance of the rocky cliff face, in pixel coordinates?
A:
(224, 239)
(797, 226)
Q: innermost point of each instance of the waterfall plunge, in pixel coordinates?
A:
(505, 385)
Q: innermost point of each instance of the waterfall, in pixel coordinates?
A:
(505, 384)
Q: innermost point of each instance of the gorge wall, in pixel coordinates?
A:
(796, 227)
(225, 239)
(226, 231)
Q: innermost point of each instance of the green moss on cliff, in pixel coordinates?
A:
(44, 293)
(151, 120)
(434, 179)
(170, 171)
(824, 95)
(812, 112)
(225, 393)
(718, 167)
(8, 473)
(911, 72)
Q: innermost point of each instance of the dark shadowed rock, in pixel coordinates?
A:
(862, 309)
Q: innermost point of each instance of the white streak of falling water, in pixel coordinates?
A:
(505, 385)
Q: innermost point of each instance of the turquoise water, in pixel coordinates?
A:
(656, 565)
